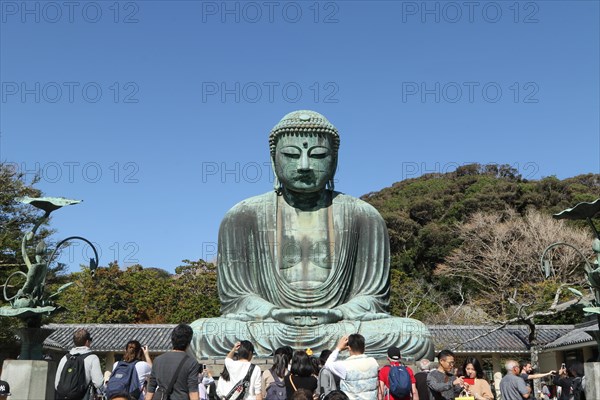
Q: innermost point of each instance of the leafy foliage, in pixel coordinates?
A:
(420, 213)
(142, 295)
(15, 218)
(425, 216)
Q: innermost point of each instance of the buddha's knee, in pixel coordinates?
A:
(396, 325)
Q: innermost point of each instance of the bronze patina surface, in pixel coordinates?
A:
(304, 264)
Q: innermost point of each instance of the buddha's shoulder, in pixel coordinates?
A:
(251, 204)
(264, 201)
(357, 204)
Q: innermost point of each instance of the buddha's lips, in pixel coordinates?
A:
(306, 178)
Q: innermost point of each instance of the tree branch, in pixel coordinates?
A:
(525, 318)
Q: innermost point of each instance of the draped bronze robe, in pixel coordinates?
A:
(251, 286)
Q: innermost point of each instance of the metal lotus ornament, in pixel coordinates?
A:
(31, 299)
(583, 211)
(587, 211)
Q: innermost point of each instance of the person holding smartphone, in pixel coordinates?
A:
(526, 373)
(206, 383)
(563, 381)
(140, 355)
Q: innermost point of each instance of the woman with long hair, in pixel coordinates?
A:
(238, 370)
(224, 377)
(301, 374)
(134, 352)
(473, 375)
(278, 370)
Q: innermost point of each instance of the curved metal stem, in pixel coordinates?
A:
(72, 238)
(591, 223)
(588, 266)
(8, 280)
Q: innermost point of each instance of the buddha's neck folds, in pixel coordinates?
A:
(307, 201)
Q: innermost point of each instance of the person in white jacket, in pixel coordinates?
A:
(93, 372)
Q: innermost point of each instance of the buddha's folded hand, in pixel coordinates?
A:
(306, 317)
(239, 317)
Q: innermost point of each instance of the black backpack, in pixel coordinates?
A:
(211, 390)
(577, 388)
(72, 384)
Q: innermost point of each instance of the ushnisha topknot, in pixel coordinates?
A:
(303, 122)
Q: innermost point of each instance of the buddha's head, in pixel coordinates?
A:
(304, 149)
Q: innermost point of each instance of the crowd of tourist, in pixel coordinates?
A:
(300, 375)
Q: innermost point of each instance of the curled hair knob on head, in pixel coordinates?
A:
(303, 122)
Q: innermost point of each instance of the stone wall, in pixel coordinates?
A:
(592, 380)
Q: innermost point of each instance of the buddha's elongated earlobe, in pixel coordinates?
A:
(277, 186)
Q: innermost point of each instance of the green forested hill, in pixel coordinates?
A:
(421, 213)
(463, 242)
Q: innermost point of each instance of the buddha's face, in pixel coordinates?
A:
(304, 164)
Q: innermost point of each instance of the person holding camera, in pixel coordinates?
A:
(242, 381)
(563, 381)
(140, 356)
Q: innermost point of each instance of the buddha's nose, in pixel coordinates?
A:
(303, 163)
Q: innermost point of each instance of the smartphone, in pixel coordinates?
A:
(204, 367)
(562, 366)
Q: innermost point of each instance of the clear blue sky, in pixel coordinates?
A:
(157, 113)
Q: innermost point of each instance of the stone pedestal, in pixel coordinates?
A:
(30, 379)
(215, 365)
(592, 380)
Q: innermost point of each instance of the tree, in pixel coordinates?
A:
(431, 303)
(411, 297)
(196, 292)
(133, 295)
(501, 253)
(142, 295)
(15, 220)
(420, 213)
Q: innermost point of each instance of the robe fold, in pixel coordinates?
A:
(251, 286)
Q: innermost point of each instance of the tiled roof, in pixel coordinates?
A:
(510, 339)
(577, 335)
(112, 337)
